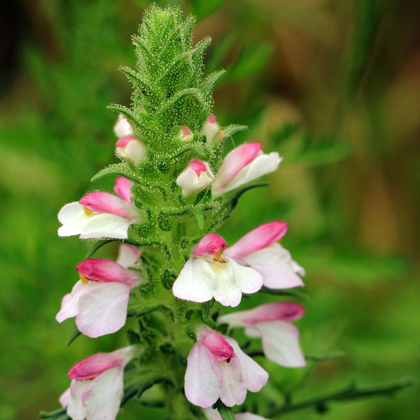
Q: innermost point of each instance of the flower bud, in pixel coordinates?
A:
(212, 130)
(195, 177)
(131, 148)
(122, 127)
(185, 134)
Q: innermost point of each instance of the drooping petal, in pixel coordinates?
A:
(232, 165)
(103, 309)
(259, 238)
(107, 271)
(102, 397)
(276, 311)
(280, 342)
(209, 244)
(75, 408)
(195, 281)
(128, 255)
(105, 225)
(246, 278)
(70, 302)
(276, 265)
(226, 291)
(215, 343)
(122, 188)
(202, 378)
(232, 389)
(107, 203)
(65, 398)
(122, 127)
(254, 376)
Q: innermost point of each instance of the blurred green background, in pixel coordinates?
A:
(332, 85)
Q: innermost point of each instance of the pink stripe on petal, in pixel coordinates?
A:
(123, 141)
(94, 365)
(209, 244)
(197, 166)
(216, 344)
(107, 271)
(259, 238)
(236, 160)
(122, 188)
(106, 203)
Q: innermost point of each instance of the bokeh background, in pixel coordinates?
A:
(333, 85)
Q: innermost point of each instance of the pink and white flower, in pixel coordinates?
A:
(259, 249)
(122, 127)
(208, 274)
(97, 385)
(213, 414)
(212, 130)
(218, 368)
(131, 148)
(272, 322)
(99, 299)
(197, 176)
(242, 165)
(185, 135)
(100, 215)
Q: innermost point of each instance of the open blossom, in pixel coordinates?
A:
(272, 322)
(213, 414)
(218, 368)
(122, 127)
(259, 249)
(131, 148)
(212, 130)
(99, 299)
(99, 215)
(208, 274)
(185, 134)
(243, 164)
(97, 385)
(195, 177)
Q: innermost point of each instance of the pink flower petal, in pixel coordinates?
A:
(216, 344)
(209, 244)
(259, 238)
(236, 160)
(276, 311)
(122, 188)
(75, 407)
(232, 389)
(123, 141)
(103, 309)
(107, 271)
(197, 166)
(202, 377)
(106, 203)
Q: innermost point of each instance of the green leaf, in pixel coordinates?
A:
(230, 130)
(199, 150)
(206, 310)
(97, 245)
(199, 217)
(73, 337)
(234, 199)
(225, 412)
(55, 415)
(209, 82)
(132, 119)
(118, 169)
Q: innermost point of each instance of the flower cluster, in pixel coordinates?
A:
(173, 269)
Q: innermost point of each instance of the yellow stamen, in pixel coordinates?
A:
(87, 211)
(84, 279)
(221, 135)
(218, 254)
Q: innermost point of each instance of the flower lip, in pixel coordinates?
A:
(215, 342)
(94, 365)
(102, 202)
(210, 244)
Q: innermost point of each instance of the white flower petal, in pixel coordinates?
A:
(246, 278)
(75, 407)
(128, 255)
(280, 342)
(105, 225)
(195, 281)
(103, 395)
(232, 390)
(72, 218)
(103, 309)
(225, 289)
(276, 266)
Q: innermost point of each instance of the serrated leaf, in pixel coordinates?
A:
(180, 95)
(209, 82)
